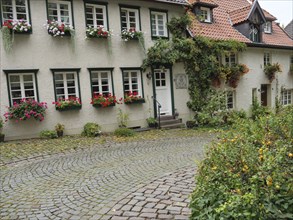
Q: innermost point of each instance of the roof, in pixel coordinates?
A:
(203, 2)
(228, 14)
(289, 29)
(181, 2)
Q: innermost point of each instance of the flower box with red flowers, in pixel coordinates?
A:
(26, 109)
(72, 103)
(131, 34)
(18, 26)
(133, 98)
(98, 32)
(56, 28)
(103, 101)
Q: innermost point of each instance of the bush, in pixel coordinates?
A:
(48, 134)
(257, 110)
(91, 130)
(247, 174)
(191, 124)
(124, 132)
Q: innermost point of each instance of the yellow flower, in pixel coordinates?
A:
(269, 181)
(214, 168)
(290, 155)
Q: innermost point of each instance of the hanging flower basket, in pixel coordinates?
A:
(271, 69)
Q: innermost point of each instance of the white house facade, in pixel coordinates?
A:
(45, 68)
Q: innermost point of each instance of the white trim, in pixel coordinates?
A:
(14, 14)
(208, 11)
(287, 97)
(139, 83)
(58, 3)
(94, 12)
(65, 86)
(268, 27)
(156, 26)
(99, 72)
(128, 10)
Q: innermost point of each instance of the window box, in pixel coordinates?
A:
(68, 108)
(131, 34)
(101, 106)
(58, 29)
(135, 101)
(99, 32)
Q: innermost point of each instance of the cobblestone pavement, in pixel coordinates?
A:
(138, 180)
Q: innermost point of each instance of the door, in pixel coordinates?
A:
(162, 81)
(264, 95)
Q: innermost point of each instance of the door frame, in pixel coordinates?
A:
(169, 67)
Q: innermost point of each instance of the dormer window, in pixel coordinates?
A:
(205, 14)
(268, 27)
(254, 33)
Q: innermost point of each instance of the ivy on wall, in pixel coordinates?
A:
(200, 58)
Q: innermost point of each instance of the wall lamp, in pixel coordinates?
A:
(149, 75)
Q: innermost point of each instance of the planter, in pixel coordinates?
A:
(99, 37)
(59, 133)
(2, 136)
(153, 125)
(100, 106)
(135, 101)
(68, 108)
(66, 34)
(21, 33)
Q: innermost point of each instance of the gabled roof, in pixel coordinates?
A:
(181, 2)
(289, 29)
(229, 13)
(254, 9)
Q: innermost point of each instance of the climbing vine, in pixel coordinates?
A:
(200, 56)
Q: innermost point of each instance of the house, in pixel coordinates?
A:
(267, 43)
(46, 67)
(289, 29)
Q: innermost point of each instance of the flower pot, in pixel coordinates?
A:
(59, 133)
(153, 125)
(2, 136)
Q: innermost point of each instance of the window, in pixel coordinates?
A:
(267, 58)
(132, 81)
(268, 27)
(231, 59)
(205, 14)
(286, 97)
(130, 19)
(101, 81)
(15, 9)
(160, 78)
(60, 11)
(21, 84)
(66, 83)
(96, 15)
(230, 100)
(254, 33)
(159, 24)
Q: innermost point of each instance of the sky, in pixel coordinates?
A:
(281, 9)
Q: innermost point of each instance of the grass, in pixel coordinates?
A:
(21, 149)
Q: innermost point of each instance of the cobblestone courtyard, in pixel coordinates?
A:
(135, 180)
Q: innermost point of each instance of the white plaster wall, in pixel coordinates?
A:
(253, 58)
(42, 51)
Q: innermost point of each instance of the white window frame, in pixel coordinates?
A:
(228, 59)
(58, 3)
(287, 97)
(14, 11)
(64, 73)
(208, 12)
(22, 89)
(156, 27)
(137, 24)
(110, 89)
(139, 81)
(254, 33)
(94, 12)
(268, 27)
(267, 58)
(232, 94)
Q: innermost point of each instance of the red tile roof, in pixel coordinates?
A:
(205, 2)
(229, 13)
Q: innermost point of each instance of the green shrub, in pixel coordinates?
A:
(191, 124)
(257, 110)
(91, 130)
(48, 134)
(248, 173)
(124, 132)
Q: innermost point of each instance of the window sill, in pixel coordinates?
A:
(100, 106)
(137, 101)
(159, 37)
(68, 108)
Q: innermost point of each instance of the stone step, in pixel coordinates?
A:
(171, 121)
(171, 126)
(165, 117)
